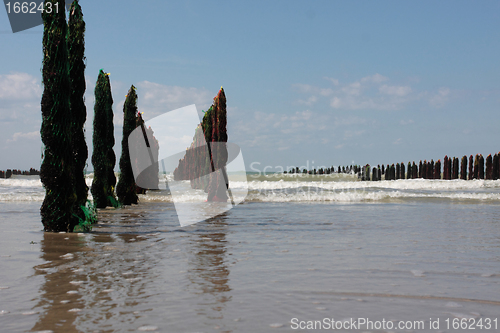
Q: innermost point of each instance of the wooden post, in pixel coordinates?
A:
(496, 167)
(437, 170)
(471, 169)
(476, 167)
(455, 168)
(445, 167)
(463, 169)
(489, 167)
(480, 174)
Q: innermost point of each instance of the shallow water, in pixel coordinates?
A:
(253, 269)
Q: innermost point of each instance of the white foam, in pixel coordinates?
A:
(297, 189)
(148, 328)
(417, 273)
(453, 305)
(29, 313)
(76, 282)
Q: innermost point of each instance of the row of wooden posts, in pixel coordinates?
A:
(475, 167)
(9, 172)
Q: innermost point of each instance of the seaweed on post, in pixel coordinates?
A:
(56, 171)
(103, 157)
(76, 50)
(126, 188)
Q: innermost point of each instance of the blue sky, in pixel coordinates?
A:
(334, 82)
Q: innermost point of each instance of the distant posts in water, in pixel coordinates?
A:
(471, 169)
(495, 174)
(445, 167)
(437, 170)
(450, 168)
(374, 174)
(403, 170)
(398, 171)
(480, 174)
(489, 167)
(476, 166)
(463, 168)
(454, 170)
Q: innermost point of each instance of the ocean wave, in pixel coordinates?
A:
(29, 188)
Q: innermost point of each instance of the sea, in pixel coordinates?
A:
(300, 253)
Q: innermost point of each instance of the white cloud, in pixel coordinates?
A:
(376, 78)
(439, 99)
(155, 99)
(19, 86)
(310, 101)
(372, 92)
(398, 141)
(27, 136)
(353, 89)
(395, 90)
(406, 122)
(334, 81)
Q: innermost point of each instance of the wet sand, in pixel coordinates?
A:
(254, 269)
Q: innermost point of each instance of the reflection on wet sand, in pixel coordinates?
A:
(94, 280)
(60, 301)
(208, 272)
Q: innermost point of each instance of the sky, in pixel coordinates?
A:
(308, 83)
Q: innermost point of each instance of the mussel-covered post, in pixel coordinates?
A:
(103, 157)
(126, 188)
(76, 51)
(56, 170)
